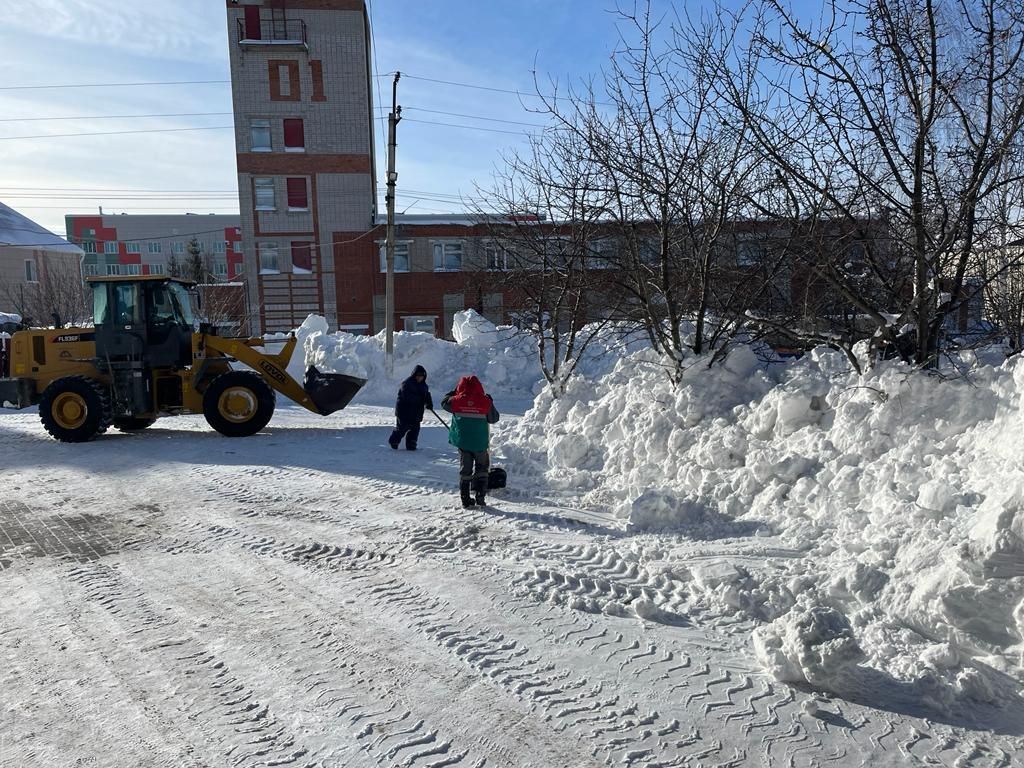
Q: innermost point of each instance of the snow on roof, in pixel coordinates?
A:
(21, 232)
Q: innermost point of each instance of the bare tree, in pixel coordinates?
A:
(58, 296)
(902, 116)
(541, 249)
(671, 165)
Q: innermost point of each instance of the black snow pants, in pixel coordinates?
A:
(410, 430)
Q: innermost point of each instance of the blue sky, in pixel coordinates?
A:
(59, 42)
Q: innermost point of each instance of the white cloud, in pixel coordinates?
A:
(187, 29)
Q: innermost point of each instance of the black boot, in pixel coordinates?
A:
(480, 486)
(467, 501)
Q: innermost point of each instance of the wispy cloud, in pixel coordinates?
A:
(186, 29)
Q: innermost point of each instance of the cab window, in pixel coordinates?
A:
(126, 304)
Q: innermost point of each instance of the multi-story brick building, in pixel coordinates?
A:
(301, 75)
(301, 81)
(146, 244)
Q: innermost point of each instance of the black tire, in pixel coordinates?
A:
(238, 404)
(132, 423)
(75, 409)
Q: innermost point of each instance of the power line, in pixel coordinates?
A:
(109, 117)
(548, 97)
(109, 85)
(116, 133)
(466, 127)
(473, 117)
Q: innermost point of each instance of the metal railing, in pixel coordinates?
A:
(273, 32)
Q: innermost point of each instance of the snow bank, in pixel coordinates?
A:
(899, 495)
(502, 357)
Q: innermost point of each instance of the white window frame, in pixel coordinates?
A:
(178, 247)
(113, 269)
(157, 268)
(131, 269)
(89, 246)
(400, 245)
(31, 274)
(91, 269)
(264, 183)
(220, 269)
(260, 125)
(110, 248)
(133, 247)
(154, 247)
(441, 247)
(410, 323)
(265, 250)
(499, 262)
(220, 247)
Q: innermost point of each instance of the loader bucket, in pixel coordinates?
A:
(330, 392)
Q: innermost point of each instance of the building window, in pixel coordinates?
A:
(113, 269)
(302, 257)
(89, 246)
(264, 193)
(294, 135)
(110, 248)
(91, 269)
(133, 248)
(298, 199)
(268, 258)
(220, 269)
(219, 246)
(447, 257)
(497, 257)
(259, 136)
(178, 247)
(748, 253)
(131, 269)
(154, 247)
(401, 257)
(419, 324)
(157, 268)
(30, 271)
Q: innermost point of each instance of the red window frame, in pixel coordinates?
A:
(302, 254)
(294, 133)
(298, 196)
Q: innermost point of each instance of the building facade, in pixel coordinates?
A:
(150, 244)
(300, 75)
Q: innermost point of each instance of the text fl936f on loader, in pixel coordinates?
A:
(143, 359)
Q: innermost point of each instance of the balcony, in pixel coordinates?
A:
(287, 33)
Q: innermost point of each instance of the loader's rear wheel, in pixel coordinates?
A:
(75, 409)
(133, 423)
(238, 404)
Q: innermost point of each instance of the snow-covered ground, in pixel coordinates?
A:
(768, 565)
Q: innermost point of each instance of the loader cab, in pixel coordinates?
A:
(145, 320)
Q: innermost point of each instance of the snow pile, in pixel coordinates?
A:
(897, 496)
(503, 358)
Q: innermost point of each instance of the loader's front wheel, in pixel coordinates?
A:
(74, 409)
(238, 404)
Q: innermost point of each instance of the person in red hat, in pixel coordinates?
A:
(472, 412)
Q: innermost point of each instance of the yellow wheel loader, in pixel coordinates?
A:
(143, 359)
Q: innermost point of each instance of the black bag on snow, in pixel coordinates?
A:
(496, 478)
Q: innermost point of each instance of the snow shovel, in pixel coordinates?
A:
(440, 419)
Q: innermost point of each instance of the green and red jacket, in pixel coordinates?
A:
(472, 413)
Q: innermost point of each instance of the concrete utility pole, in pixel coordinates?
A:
(389, 248)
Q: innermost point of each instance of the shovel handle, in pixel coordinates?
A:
(440, 419)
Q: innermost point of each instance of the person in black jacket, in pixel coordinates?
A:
(413, 400)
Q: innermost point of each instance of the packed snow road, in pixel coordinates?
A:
(308, 597)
